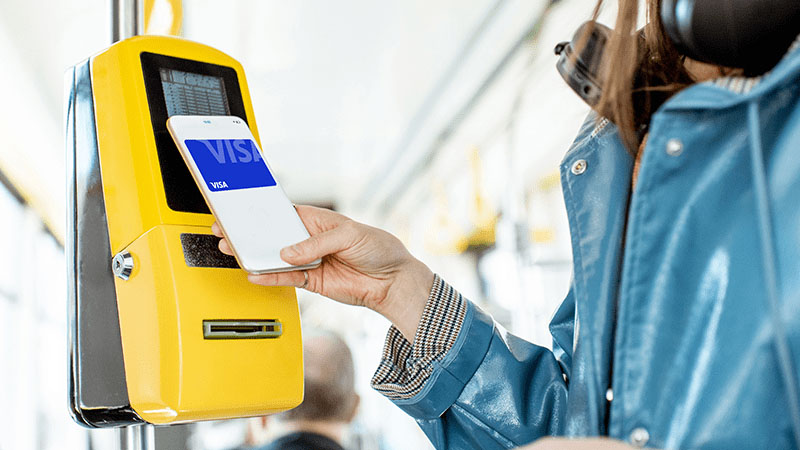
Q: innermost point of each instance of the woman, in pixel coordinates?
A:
(683, 318)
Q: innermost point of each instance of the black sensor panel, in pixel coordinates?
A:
(181, 191)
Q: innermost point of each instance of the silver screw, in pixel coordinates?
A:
(674, 147)
(579, 166)
(639, 437)
(122, 265)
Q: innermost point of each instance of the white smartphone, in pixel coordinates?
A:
(240, 189)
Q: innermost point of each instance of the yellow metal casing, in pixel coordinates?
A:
(173, 373)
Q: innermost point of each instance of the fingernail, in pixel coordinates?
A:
(291, 251)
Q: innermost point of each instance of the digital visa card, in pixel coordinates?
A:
(230, 164)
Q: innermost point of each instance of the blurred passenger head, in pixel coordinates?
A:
(329, 381)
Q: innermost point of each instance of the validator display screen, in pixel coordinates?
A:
(179, 86)
(193, 94)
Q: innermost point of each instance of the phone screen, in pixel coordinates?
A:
(242, 192)
(230, 164)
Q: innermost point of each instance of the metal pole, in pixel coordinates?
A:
(127, 19)
(137, 437)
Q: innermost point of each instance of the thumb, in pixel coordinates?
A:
(319, 245)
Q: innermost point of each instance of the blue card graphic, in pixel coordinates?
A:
(228, 164)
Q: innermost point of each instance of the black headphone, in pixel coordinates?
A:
(749, 34)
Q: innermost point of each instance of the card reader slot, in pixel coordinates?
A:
(241, 329)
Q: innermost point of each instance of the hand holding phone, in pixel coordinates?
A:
(251, 208)
(361, 266)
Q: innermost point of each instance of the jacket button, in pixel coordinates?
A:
(639, 437)
(579, 166)
(674, 147)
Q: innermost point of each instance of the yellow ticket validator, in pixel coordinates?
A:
(164, 328)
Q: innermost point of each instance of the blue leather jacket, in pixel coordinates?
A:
(685, 298)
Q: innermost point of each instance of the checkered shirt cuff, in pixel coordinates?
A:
(404, 367)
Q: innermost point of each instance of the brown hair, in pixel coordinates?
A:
(641, 70)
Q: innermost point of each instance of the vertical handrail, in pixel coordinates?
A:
(127, 19)
(136, 437)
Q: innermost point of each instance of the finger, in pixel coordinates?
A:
(318, 220)
(294, 278)
(215, 228)
(224, 247)
(322, 244)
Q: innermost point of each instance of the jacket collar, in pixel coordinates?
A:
(725, 92)
(743, 85)
(593, 129)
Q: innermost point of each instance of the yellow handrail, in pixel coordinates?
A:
(163, 17)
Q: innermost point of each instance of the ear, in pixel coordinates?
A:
(354, 409)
